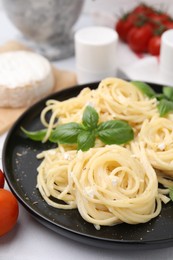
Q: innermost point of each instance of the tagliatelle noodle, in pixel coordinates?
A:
(106, 184)
(53, 179)
(157, 136)
(113, 99)
(123, 101)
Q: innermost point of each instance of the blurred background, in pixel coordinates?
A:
(50, 31)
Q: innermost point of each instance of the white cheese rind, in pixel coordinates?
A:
(25, 77)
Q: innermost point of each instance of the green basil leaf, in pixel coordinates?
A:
(160, 96)
(86, 140)
(164, 107)
(144, 88)
(65, 134)
(90, 118)
(35, 135)
(168, 92)
(115, 132)
(171, 193)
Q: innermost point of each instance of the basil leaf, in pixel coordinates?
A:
(144, 88)
(164, 107)
(35, 135)
(171, 193)
(65, 134)
(115, 132)
(90, 118)
(160, 96)
(168, 92)
(86, 140)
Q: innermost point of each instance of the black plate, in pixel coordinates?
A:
(20, 164)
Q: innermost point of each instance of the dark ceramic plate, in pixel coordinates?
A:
(20, 164)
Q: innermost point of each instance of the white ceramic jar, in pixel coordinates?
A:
(166, 56)
(96, 53)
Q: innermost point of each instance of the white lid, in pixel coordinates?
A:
(95, 48)
(166, 52)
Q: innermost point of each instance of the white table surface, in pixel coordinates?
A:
(30, 240)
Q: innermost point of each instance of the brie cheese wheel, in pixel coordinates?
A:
(25, 77)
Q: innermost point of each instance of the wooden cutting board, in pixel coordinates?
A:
(63, 79)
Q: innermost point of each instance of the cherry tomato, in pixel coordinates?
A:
(159, 17)
(168, 24)
(2, 180)
(154, 45)
(122, 27)
(9, 211)
(139, 37)
(143, 9)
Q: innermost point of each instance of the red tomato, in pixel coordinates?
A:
(139, 37)
(143, 9)
(122, 27)
(2, 180)
(9, 211)
(168, 24)
(159, 17)
(154, 45)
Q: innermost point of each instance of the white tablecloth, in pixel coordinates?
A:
(30, 240)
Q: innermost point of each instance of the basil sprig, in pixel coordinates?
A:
(171, 193)
(114, 132)
(85, 134)
(165, 99)
(66, 134)
(35, 135)
(165, 106)
(144, 88)
(168, 92)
